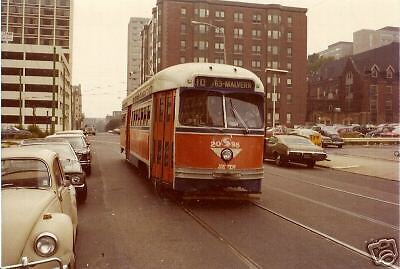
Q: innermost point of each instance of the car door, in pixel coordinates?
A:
(66, 193)
(270, 144)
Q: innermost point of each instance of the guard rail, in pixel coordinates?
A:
(372, 140)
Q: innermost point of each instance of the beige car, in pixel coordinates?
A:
(39, 214)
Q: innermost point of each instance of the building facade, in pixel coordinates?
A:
(36, 63)
(253, 36)
(338, 50)
(135, 27)
(370, 39)
(363, 88)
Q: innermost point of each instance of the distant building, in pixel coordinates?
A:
(363, 88)
(257, 36)
(36, 61)
(370, 39)
(135, 26)
(338, 50)
(77, 116)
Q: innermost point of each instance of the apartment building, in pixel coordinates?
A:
(36, 63)
(135, 27)
(362, 88)
(366, 39)
(253, 36)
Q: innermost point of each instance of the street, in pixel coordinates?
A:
(304, 218)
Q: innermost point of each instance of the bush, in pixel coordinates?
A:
(36, 132)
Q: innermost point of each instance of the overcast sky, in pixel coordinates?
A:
(100, 38)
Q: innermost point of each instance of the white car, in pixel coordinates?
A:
(39, 214)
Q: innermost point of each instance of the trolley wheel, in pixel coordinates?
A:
(159, 188)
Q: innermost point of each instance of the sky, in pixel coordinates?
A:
(100, 34)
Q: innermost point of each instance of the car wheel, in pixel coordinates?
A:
(311, 164)
(279, 160)
(339, 146)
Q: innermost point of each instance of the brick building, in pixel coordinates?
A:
(36, 63)
(253, 36)
(363, 88)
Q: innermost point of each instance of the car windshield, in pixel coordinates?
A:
(76, 142)
(24, 173)
(65, 152)
(296, 140)
(205, 108)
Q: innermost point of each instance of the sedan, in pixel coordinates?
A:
(39, 214)
(14, 132)
(291, 148)
(72, 169)
(80, 146)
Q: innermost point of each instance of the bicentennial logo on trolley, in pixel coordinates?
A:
(218, 145)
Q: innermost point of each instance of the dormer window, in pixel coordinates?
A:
(374, 71)
(389, 72)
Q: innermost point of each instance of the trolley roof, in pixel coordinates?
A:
(182, 75)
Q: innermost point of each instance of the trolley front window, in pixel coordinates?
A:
(206, 108)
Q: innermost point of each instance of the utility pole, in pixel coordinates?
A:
(20, 98)
(53, 109)
(274, 95)
(63, 108)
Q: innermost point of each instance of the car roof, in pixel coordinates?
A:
(20, 152)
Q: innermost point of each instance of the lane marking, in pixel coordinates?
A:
(337, 241)
(339, 209)
(345, 167)
(340, 190)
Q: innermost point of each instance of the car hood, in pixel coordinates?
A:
(305, 148)
(71, 166)
(21, 209)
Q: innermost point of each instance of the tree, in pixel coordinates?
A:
(314, 62)
(112, 124)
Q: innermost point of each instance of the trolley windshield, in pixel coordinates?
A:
(209, 108)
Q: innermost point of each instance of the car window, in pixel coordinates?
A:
(297, 141)
(29, 173)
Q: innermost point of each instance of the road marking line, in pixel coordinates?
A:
(345, 167)
(339, 209)
(337, 241)
(340, 190)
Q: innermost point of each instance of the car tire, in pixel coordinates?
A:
(340, 146)
(311, 164)
(279, 160)
(83, 195)
(89, 171)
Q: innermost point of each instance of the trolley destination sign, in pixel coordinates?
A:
(223, 83)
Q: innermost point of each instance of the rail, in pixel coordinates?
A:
(372, 140)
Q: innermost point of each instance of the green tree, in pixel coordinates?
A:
(112, 124)
(314, 62)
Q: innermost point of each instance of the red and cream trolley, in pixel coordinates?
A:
(197, 127)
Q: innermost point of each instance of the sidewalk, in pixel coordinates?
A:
(363, 165)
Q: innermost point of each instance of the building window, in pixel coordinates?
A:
(255, 64)
(238, 62)
(219, 60)
(289, 21)
(237, 48)
(183, 11)
(201, 12)
(256, 49)
(289, 66)
(256, 33)
(256, 18)
(219, 46)
(289, 37)
(374, 71)
(182, 60)
(389, 72)
(238, 33)
(274, 34)
(289, 52)
(275, 64)
(238, 17)
(201, 45)
(219, 14)
(289, 82)
(288, 118)
(275, 19)
(183, 44)
(275, 50)
(183, 28)
(289, 98)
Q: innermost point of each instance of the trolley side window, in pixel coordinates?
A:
(201, 108)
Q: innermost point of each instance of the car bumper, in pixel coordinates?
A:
(51, 263)
(300, 156)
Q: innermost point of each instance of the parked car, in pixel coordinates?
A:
(80, 146)
(81, 132)
(364, 129)
(90, 130)
(14, 132)
(348, 132)
(292, 148)
(334, 139)
(72, 168)
(314, 136)
(381, 129)
(39, 214)
(395, 132)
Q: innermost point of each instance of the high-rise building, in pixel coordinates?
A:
(135, 27)
(36, 63)
(253, 36)
(338, 50)
(370, 39)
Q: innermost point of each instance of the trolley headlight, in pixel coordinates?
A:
(75, 179)
(226, 155)
(45, 244)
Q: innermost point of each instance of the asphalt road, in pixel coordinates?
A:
(305, 218)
